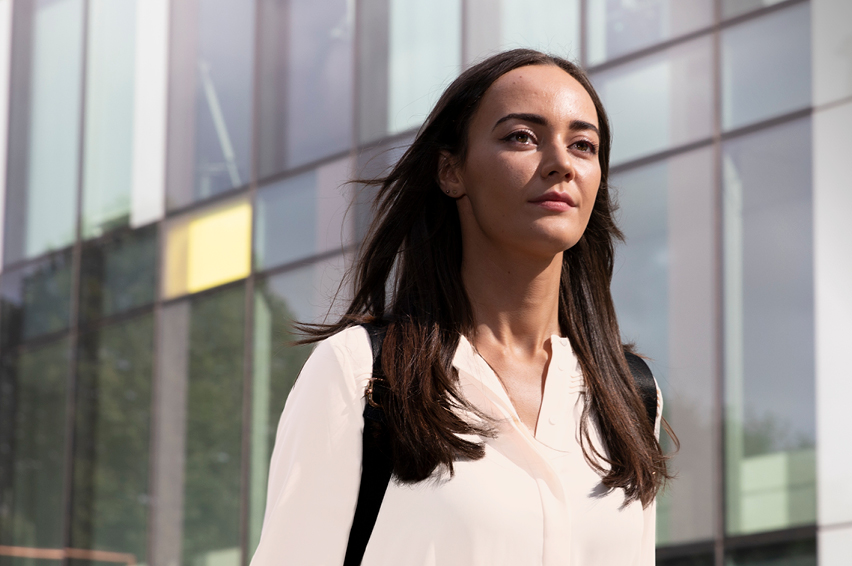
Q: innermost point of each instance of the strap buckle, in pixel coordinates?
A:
(370, 391)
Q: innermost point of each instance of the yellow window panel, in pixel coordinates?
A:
(219, 248)
(207, 249)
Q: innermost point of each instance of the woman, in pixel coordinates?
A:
(518, 436)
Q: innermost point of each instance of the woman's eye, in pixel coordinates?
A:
(586, 146)
(520, 137)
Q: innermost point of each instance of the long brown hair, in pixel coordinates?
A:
(409, 272)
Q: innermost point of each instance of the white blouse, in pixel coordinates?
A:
(532, 500)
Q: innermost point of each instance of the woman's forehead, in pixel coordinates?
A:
(539, 89)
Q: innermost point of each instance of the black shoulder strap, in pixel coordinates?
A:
(376, 464)
(645, 383)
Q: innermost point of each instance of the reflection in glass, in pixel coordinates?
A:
(119, 273)
(766, 67)
(409, 51)
(303, 215)
(199, 430)
(109, 115)
(705, 559)
(731, 8)
(552, 26)
(618, 27)
(663, 289)
(207, 248)
(36, 299)
(211, 86)
(302, 295)
(425, 55)
(373, 163)
(44, 129)
(769, 330)
(660, 101)
(306, 79)
(797, 553)
(113, 413)
(32, 445)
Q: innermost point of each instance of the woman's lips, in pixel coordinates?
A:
(554, 201)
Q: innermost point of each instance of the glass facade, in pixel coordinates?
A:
(176, 197)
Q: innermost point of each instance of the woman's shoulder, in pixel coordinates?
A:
(341, 361)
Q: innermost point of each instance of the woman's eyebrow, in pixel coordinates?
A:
(534, 118)
(542, 121)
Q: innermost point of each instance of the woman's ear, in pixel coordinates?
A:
(449, 178)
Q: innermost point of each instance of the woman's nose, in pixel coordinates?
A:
(557, 162)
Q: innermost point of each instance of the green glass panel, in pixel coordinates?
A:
(214, 428)
(110, 499)
(44, 127)
(769, 330)
(108, 144)
(32, 446)
(798, 553)
(118, 273)
(36, 299)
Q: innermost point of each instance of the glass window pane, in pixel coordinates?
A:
(769, 329)
(664, 293)
(731, 8)
(210, 110)
(372, 163)
(410, 51)
(32, 445)
(697, 559)
(44, 127)
(618, 27)
(109, 115)
(304, 215)
(302, 295)
(766, 67)
(552, 26)
(36, 299)
(660, 101)
(119, 273)
(798, 553)
(306, 82)
(199, 430)
(207, 248)
(110, 499)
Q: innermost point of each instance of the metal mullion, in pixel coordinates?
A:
(661, 155)
(307, 261)
(73, 338)
(304, 168)
(248, 330)
(719, 506)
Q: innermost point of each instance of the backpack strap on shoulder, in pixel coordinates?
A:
(645, 384)
(376, 463)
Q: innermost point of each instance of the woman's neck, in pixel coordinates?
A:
(515, 299)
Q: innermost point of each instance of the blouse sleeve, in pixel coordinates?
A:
(316, 463)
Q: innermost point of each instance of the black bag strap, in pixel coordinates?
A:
(645, 384)
(377, 466)
(376, 463)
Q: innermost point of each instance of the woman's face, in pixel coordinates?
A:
(531, 174)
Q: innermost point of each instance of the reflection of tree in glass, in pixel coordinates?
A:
(214, 424)
(110, 500)
(36, 300)
(118, 274)
(285, 359)
(32, 444)
(768, 433)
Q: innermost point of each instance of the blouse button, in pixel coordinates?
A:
(553, 420)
